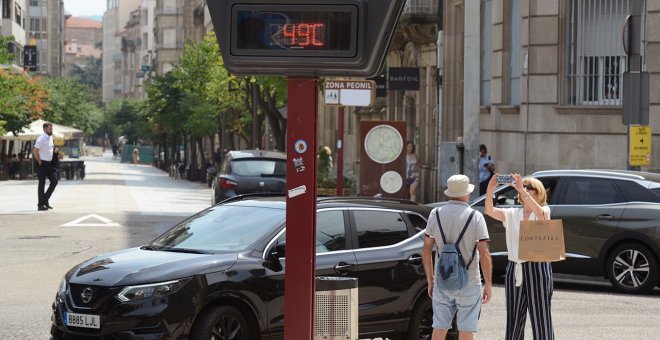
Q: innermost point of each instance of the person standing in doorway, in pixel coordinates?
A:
(412, 171)
(136, 156)
(486, 168)
(528, 286)
(457, 223)
(43, 155)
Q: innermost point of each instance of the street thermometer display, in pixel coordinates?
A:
(287, 30)
(307, 38)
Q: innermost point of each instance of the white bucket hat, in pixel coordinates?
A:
(458, 186)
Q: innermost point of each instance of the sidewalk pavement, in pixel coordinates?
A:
(110, 187)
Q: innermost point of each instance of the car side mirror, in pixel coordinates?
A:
(273, 257)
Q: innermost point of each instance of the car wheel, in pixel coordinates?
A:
(421, 321)
(222, 323)
(632, 268)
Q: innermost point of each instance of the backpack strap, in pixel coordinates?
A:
(474, 250)
(460, 237)
(467, 224)
(442, 233)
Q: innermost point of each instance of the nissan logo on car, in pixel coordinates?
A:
(87, 295)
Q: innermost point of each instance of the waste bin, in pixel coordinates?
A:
(336, 308)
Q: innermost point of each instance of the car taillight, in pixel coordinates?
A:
(227, 184)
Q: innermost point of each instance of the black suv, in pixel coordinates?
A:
(611, 224)
(217, 274)
(248, 172)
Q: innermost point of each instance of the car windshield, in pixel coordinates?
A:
(225, 228)
(259, 167)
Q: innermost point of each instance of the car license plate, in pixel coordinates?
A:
(82, 320)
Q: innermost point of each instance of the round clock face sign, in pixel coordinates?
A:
(391, 182)
(383, 144)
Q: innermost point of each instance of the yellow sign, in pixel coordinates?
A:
(640, 145)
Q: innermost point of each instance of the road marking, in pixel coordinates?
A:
(77, 223)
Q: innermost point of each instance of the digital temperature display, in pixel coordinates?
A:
(287, 30)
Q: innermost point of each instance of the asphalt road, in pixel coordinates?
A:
(38, 248)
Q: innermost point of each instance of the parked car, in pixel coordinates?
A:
(248, 172)
(221, 272)
(611, 224)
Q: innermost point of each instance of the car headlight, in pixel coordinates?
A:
(62, 289)
(132, 293)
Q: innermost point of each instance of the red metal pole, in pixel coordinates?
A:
(300, 275)
(340, 151)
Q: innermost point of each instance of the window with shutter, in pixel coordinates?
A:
(596, 60)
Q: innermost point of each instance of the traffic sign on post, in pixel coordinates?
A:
(303, 37)
(640, 146)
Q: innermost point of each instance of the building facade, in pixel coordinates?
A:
(84, 38)
(551, 81)
(115, 18)
(46, 29)
(173, 26)
(131, 46)
(14, 17)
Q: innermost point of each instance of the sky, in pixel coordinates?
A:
(84, 8)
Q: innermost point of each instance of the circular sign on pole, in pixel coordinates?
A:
(625, 35)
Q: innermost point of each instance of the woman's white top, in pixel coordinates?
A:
(512, 218)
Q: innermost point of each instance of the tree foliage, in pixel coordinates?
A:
(89, 74)
(22, 100)
(5, 56)
(72, 105)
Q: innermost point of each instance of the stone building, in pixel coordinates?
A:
(46, 30)
(551, 81)
(83, 39)
(116, 16)
(14, 13)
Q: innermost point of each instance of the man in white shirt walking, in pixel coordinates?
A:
(43, 154)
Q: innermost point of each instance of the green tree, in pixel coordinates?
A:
(127, 118)
(5, 56)
(22, 100)
(90, 75)
(72, 105)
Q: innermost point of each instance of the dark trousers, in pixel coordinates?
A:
(534, 295)
(46, 170)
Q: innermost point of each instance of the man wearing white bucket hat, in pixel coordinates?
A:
(456, 222)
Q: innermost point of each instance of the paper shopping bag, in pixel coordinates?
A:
(542, 241)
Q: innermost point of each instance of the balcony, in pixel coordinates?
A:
(421, 7)
(418, 23)
(167, 11)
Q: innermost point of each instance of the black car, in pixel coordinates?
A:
(611, 224)
(249, 171)
(218, 275)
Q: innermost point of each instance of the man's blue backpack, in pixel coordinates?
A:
(451, 271)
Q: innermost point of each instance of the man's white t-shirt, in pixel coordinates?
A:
(45, 145)
(453, 216)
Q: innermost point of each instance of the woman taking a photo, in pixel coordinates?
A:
(528, 285)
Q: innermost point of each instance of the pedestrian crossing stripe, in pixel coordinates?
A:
(78, 222)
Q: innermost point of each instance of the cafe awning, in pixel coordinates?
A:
(35, 129)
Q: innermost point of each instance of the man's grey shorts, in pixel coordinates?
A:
(467, 302)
